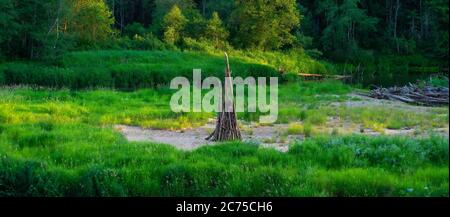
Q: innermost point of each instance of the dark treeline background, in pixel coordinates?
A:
(338, 30)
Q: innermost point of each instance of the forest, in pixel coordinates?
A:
(346, 31)
(84, 97)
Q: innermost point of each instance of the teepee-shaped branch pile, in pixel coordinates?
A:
(226, 127)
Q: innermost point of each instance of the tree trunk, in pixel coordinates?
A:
(226, 128)
(204, 7)
(397, 7)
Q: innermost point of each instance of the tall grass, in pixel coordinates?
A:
(125, 69)
(80, 160)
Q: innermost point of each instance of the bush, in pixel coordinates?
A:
(197, 45)
(134, 29)
(315, 118)
(295, 129)
(146, 41)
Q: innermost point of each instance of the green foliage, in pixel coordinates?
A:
(388, 70)
(2, 78)
(351, 32)
(62, 143)
(30, 30)
(50, 28)
(263, 24)
(162, 7)
(135, 29)
(173, 23)
(295, 129)
(125, 69)
(199, 45)
(91, 21)
(31, 74)
(345, 22)
(433, 81)
(148, 41)
(343, 166)
(393, 153)
(215, 32)
(8, 23)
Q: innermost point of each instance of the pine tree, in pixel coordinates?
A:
(215, 32)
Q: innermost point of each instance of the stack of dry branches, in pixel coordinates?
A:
(429, 96)
(227, 127)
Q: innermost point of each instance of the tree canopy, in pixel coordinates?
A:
(264, 24)
(340, 29)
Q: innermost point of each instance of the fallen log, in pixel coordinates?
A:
(319, 76)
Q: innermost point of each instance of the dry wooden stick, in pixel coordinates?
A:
(227, 127)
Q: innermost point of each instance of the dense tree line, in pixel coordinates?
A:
(337, 29)
(388, 26)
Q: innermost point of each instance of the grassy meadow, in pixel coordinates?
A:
(57, 135)
(85, 98)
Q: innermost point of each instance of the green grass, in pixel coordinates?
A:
(140, 69)
(62, 143)
(81, 160)
(295, 129)
(147, 108)
(391, 118)
(125, 69)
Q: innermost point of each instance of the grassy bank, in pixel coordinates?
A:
(124, 69)
(130, 70)
(62, 143)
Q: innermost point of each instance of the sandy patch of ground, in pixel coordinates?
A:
(266, 136)
(274, 136)
(358, 100)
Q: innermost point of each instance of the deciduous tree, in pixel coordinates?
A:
(173, 24)
(264, 24)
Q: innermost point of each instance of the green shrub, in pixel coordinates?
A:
(316, 118)
(295, 129)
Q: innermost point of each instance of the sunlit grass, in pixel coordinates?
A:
(82, 160)
(63, 143)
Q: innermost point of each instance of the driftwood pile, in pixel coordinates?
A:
(428, 96)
